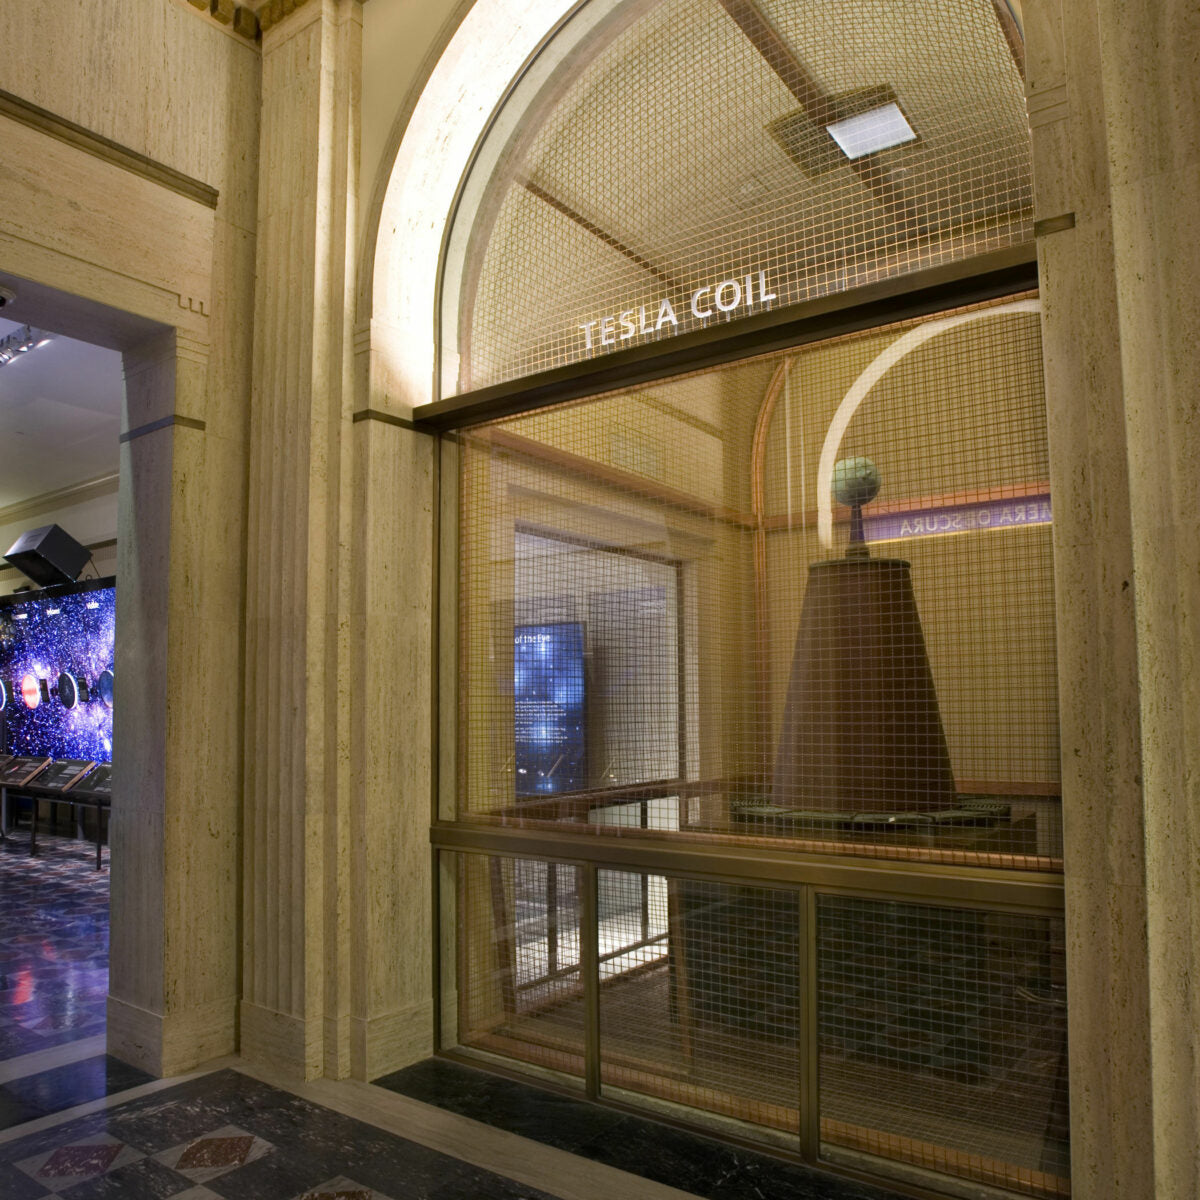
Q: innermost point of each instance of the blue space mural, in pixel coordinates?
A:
(56, 681)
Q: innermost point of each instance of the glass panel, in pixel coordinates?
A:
(943, 1041)
(699, 998)
(678, 618)
(519, 987)
(596, 666)
(666, 166)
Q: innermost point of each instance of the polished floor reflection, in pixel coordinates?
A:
(53, 944)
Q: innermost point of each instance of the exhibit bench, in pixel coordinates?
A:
(77, 783)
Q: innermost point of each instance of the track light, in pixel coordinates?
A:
(21, 341)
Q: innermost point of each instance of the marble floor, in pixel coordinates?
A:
(77, 1124)
(53, 943)
(702, 1166)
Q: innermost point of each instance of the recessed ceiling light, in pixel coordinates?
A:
(868, 132)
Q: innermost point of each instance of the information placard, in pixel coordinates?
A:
(550, 719)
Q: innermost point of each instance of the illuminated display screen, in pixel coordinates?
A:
(550, 725)
(56, 657)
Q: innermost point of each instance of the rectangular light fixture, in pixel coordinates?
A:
(868, 132)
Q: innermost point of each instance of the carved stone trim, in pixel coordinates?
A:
(104, 148)
(241, 17)
(163, 423)
(75, 493)
(274, 11)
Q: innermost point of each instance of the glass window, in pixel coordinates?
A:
(675, 619)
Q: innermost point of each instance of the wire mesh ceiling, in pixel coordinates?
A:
(693, 162)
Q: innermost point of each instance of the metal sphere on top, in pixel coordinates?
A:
(855, 481)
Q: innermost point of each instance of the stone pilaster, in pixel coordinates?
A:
(1113, 107)
(295, 1010)
(175, 824)
(392, 630)
(1149, 56)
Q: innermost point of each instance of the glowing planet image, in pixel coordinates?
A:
(104, 688)
(3, 695)
(64, 641)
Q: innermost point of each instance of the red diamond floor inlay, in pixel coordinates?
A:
(80, 1160)
(215, 1152)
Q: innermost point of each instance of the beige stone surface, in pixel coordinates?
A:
(162, 83)
(1152, 108)
(1114, 112)
(401, 44)
(173, 983)
(392, 645)
(299, 697)
(149, 75)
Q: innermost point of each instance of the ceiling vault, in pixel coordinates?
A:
(819, 106)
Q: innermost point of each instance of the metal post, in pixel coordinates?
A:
(589, 966)
(810, 1106)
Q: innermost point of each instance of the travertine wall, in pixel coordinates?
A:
(335, 961)
(1115, 118)
(153, 271)
(295, 1009)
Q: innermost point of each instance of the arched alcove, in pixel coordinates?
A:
(633, 909)
(684, 163)
(491, 218)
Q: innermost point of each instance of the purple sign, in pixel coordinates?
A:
(961, 518)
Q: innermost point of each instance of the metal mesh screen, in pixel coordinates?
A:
(943, 1040)
(908, 1039)
(678, 167)
(664, 627)
(519, 984)
(705, 1010)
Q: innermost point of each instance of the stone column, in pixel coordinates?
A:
(1113, 106)
(176, 824)
(1150, 54)
(392, 632)
(295, 1008)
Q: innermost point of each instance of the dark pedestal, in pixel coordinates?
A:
(861, 728)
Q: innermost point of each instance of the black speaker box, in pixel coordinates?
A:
(48, 555)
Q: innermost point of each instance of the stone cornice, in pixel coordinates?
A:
(271, 12)
(75, 493)
(241, 18)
